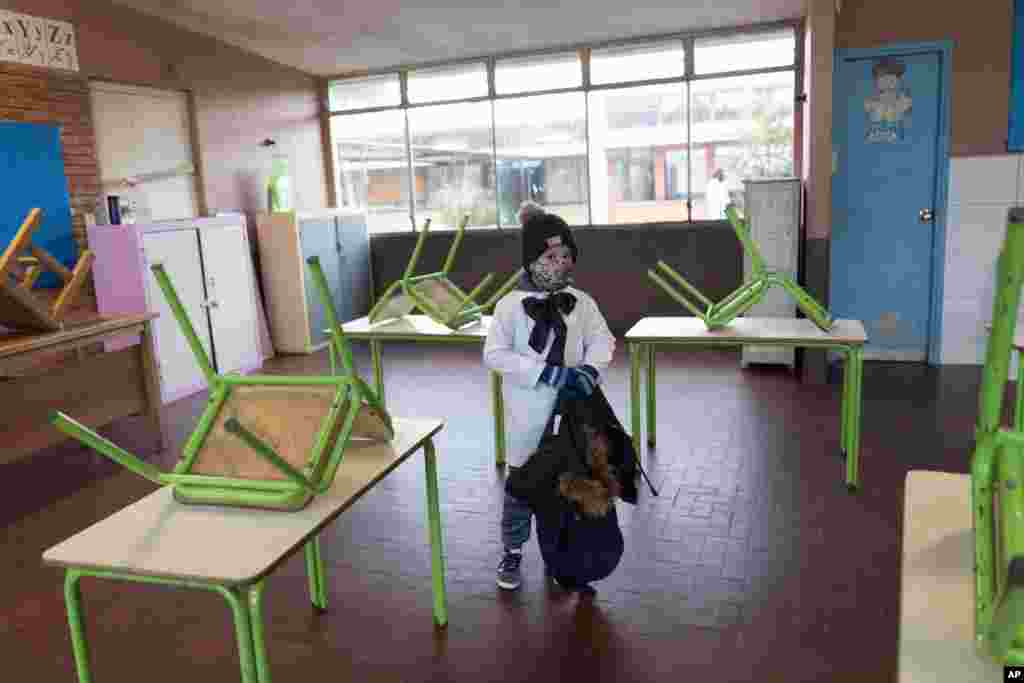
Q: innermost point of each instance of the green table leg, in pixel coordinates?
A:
(983, 480)
(245, 607)
(378, 370)
(1019, 413)
(1006, 620)
(315, 572)
(844, 408)
(498, 406)
(256, 624)
(238, 600)
(635, 351)
(73, 601)
(857, 380)
(651, 420)
(437, 561)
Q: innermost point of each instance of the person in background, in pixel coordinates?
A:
(716, 196)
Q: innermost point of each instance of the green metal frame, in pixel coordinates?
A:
(376, 338)
(297, 487)
(245, 600)
(850, 412)
(997, 472)
(742, 299)
(412, 292)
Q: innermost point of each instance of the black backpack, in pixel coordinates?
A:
(577, 548)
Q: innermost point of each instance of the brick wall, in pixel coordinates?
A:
(38, 95)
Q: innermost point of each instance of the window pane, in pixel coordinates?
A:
(371, 167)
(448, 83)
(531, 74)
(542, 149)
(363, 93)
(744, 51)
(745, 128)
(676, 172)
(637, 62)
(632, 131)
(452, 154)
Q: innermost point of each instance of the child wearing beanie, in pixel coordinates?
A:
(545, 336)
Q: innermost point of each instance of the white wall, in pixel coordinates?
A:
(981, 191)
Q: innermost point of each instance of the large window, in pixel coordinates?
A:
(636, 132)
(541, 146)
(452, 154)
(744, 51)
(638, 61)
(748, 133)
(448, 83)
(631, 130)
(530, 74)
(371, 167)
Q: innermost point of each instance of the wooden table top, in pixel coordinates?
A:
(158, 536)
(936, 633)
(416, 327)
(746, 331)
(17, 342)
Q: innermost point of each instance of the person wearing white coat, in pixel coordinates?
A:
(545, 336)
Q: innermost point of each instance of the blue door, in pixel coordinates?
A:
(884, 193)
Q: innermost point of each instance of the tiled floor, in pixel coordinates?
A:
(753, 564)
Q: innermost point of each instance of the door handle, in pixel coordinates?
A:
(925, 215)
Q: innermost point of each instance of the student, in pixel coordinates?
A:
(545, 335)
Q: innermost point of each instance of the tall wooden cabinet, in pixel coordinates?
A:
(209, 262)
(772, 207)
(286, 239)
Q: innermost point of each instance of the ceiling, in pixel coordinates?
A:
(332, 37)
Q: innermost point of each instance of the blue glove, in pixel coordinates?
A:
(581, 381)
(554, 375)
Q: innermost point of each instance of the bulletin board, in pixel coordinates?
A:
(1015, 139)
(32, 175)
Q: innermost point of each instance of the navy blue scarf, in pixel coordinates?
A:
(547, 313)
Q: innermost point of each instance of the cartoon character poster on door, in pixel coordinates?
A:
(888, 107)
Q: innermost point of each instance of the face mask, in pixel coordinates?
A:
(550, 278)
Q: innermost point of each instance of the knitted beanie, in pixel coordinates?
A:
(543, 232)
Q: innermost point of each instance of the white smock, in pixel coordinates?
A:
(528, 402)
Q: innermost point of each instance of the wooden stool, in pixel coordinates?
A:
(20, 266)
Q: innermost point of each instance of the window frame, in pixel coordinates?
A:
(688, 39)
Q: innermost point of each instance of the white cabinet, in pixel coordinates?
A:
(227, 262)
(178, 250)
(208, 261)
(340, 238)
(772, 208)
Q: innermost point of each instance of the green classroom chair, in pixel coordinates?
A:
(716, 315)
(263, 441)
(997, 473)
(434, 294)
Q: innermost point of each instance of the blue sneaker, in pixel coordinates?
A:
(509, 576)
